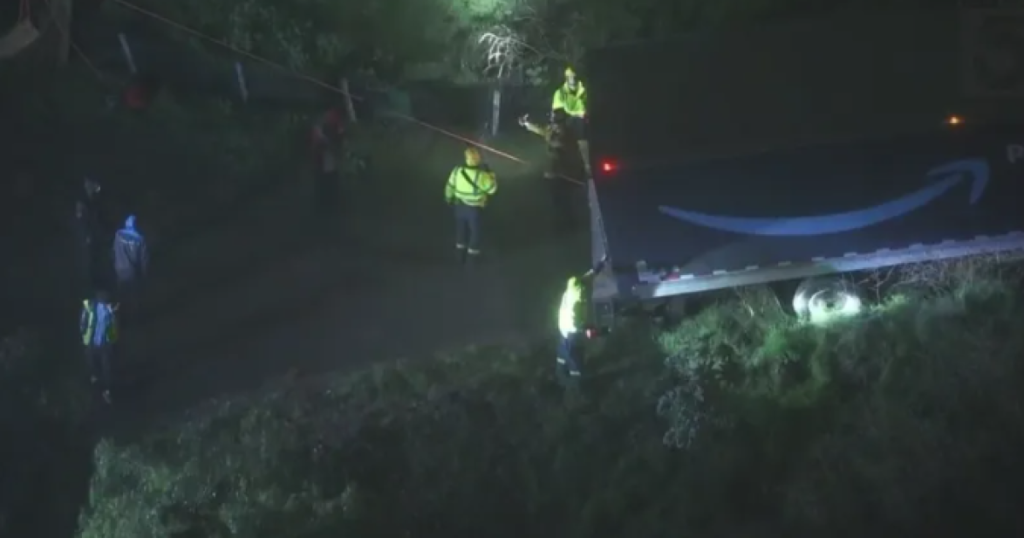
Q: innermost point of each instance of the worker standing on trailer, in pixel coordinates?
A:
(559, 166)
(98, 326)
(469, 188)
(571, 316)
(131, 265)
(327, 139)
(571, 97)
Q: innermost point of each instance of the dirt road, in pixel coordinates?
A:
(272, 292)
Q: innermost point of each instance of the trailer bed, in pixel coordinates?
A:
(814, 210)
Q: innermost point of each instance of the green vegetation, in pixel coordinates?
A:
(737, 422)
(907, 419)
(45, 448)
(181, 162)
(463, 41)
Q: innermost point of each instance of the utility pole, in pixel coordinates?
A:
(61, 13)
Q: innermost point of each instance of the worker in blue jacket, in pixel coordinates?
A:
(131, 264)
(98, 327)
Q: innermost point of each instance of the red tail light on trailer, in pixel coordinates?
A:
(608, 166)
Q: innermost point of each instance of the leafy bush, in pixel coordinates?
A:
(44, 456)
(906, 419)
(322, 38)
(456, 40)
(176, 164)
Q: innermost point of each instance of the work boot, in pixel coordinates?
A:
(561, 371)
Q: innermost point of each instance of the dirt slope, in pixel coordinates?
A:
(273, 293)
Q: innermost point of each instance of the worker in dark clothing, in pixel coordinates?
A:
(83, 234)
(571, 316)
(469, 188)
(89, 199)
(98, 326)
(561, 163)
(327, 140)
(131, 265)
(87, 231)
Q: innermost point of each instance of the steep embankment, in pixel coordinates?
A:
(905, 420)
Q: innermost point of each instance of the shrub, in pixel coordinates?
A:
(454, 40)
(877, 424)
(44, 455)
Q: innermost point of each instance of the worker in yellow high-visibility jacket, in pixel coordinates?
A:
(469, 188)
(98, 326)
(571, 97)
(572, 313)
(569, 316)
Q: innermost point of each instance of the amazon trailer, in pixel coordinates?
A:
(795, 151)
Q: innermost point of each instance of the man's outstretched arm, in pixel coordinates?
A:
(596, 268)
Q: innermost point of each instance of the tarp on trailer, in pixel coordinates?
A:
(798, 206)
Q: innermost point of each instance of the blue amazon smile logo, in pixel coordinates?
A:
(947, 176)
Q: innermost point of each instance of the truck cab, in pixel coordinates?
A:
(795, 151)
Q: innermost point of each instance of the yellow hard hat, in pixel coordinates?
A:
(569, 72)
(472, 156)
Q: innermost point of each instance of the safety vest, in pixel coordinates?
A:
(572, 101)
(471, 186)
(88, 324)
(569, 309)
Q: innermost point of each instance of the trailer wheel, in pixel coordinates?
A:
(820, 300)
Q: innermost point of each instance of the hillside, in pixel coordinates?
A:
(736, 422)
(905, 420)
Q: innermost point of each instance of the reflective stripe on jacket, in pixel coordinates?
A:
(98, 324)
(471, 186)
